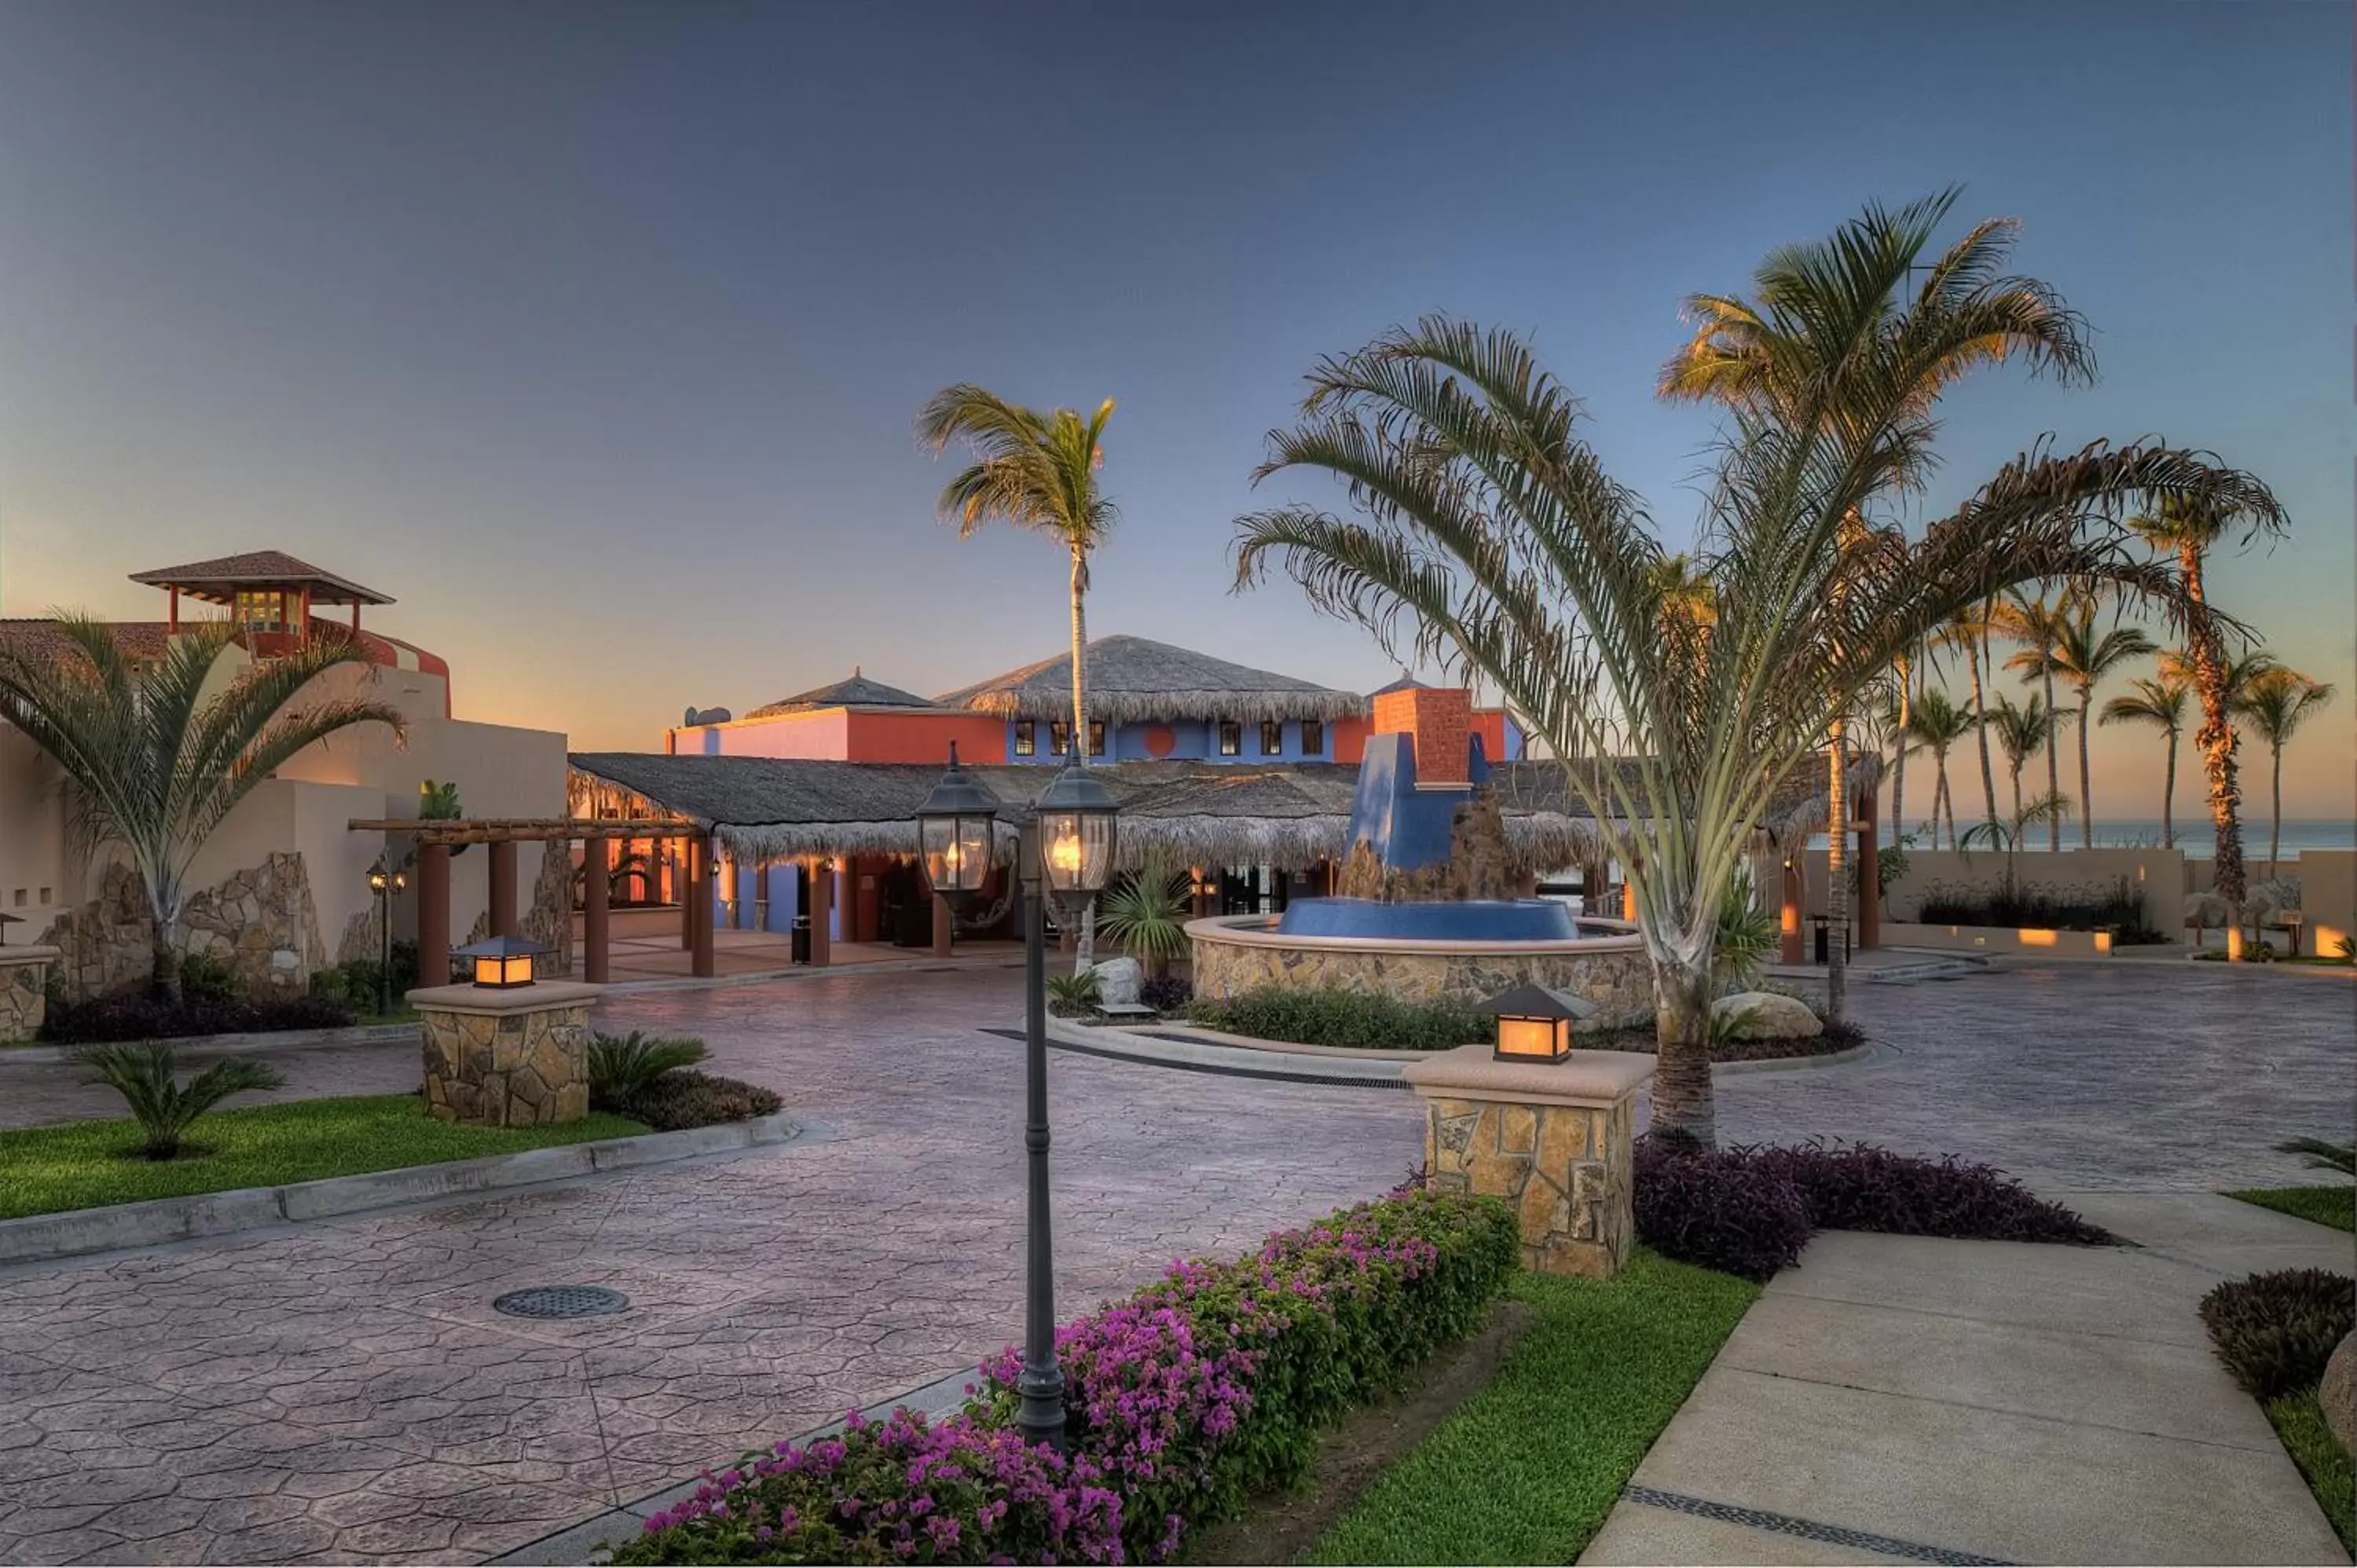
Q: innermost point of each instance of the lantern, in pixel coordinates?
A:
(954, 833)
(1534, 1024)
(1076, 833)
(502, 963)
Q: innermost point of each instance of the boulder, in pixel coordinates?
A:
(2338, 1394)
(1117, 982)
(1774, 1016)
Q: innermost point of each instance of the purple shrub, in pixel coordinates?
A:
(1720, 1210)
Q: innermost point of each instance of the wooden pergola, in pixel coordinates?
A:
(436, 838)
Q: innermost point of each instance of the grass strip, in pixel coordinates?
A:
(2333, 1206)
(88, 1164)
(1527, 1469)
(2300, 1422)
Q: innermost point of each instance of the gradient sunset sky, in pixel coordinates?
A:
(594, 334)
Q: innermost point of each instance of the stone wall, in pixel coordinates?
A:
(260, 921)
(549, 917)
(520, 1069)
(23, 1000)
(1566, 1168)
(1617, 978)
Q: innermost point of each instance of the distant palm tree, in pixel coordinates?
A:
(159, 752)
(2190, 526)
(1037, 471)
(1969, 629)
(2161, 705)
(2274, 703)
(2022, 734)
(2083, 656)
(2036, 625)
(1935, 724)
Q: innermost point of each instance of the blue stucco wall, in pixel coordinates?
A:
(1193, 740)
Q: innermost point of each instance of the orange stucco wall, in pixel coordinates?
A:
(925, 737)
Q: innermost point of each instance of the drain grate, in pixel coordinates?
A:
(562, 1301)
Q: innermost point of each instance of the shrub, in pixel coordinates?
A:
(135, 1015)
(359, 983)
(2274, 1331)
(1183, 1401)
(1073, 993)
(145, 1077)
(1145, 914)
(1332, 1016)
(622, 1065)
(204, 978)
(2085, 906)
(1749, 1210)
(1165, 992)
(684, 1098)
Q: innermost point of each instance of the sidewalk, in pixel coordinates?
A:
(1905, 1399)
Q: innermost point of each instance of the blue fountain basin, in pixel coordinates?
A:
(1474, 920)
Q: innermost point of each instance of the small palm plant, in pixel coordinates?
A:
(622, 1065)
(1147, 916)
(1076, 993)
(1746, 935)
(145, 1074)
(2322, 1156)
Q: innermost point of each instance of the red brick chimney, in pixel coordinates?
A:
(1441, 720)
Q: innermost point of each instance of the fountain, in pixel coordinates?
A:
(1425, 907)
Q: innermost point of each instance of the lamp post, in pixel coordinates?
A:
(1064, 850)
(386, 884)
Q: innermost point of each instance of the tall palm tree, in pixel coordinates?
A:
(2161, 705)
(159, 752)
(2036, 624)
(1489, 537)
(2274, 703)
(1037, 471)
(1969, 629)
(1935, 723)
(2083, 655)
(2188, 527)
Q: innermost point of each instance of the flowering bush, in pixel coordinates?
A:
(1196, 1392)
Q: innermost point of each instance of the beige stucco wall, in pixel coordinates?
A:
(2328, 897)
(2160, 872)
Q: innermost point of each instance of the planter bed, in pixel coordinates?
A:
(2333, 1206)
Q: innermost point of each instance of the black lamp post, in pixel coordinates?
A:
(386, 884)
(1066, 851)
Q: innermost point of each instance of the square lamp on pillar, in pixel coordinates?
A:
(502, 963)
(1534, 1022)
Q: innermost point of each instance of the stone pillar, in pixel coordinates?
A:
(433, 913)
(1869, 876)
(1551, 1138)
(512, 1057)
(1789, 948)
(699, 903)
(821, 906)
(597, 865)
(24, 991)
(503, 888)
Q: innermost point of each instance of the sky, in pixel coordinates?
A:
(594, 334)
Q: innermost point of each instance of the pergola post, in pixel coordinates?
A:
(699, 896)
(1869, 876)
(682, 877)
(1788, 921)
(821, 900)
(503, 888)
(597, 865)
(433, 913)
(761, 896)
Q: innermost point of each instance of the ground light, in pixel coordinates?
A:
(1065, 849)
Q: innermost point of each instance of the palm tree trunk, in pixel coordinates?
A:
(2086, 787)
(2215, 741)
(1898, 768)
(164, 975)
(2013, 839)
(1683, 1101)
(1980, 733)
(2275, 808)
(1084, 946)
(2168, 796)
(1836, 875)
(2053, 767)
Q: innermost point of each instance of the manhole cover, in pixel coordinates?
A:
(561, 1301)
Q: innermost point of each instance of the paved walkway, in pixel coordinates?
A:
(1902, 1400)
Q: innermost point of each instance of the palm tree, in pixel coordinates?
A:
(1489, 536)
(1969, 629)
(2083, 656)
(159, 752)
(1935, 724)
(2275, 702)
(2188, 527)
(2160, 704)
(1037, 471)
(2036, 624)
(2022, 734)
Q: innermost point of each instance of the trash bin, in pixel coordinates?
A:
(799, 943)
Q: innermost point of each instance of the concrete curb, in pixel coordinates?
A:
(1800, 1064)
(38, 1238)
(1125, 1045)
(241, 1044)
(804, 971)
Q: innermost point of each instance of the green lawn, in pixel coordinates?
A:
(85, 1165)
(2333, 1206)
(1527, 1469)
(2300, 1422)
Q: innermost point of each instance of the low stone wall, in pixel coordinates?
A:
(1232, 956)
(506, 1058)
(24, 997)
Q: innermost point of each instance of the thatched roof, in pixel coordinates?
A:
(856, 692)
(1205, 814)
(1132, 679)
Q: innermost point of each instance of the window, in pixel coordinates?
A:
(259, 611)
(1232, 738)
(1056, 742)
(1096, 737)
(1027, 742)
(1313, 738)
(1271, 737)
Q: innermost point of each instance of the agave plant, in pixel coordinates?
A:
(146, 1076)
(622, 1065)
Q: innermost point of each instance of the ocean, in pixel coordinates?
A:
(2193, 834)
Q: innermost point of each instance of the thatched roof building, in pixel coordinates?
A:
(1205, 814)
(1134, 679)
(856, 692)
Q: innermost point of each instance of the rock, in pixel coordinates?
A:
(1774, 1016)
(2338, 1394)
(1117, 982)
